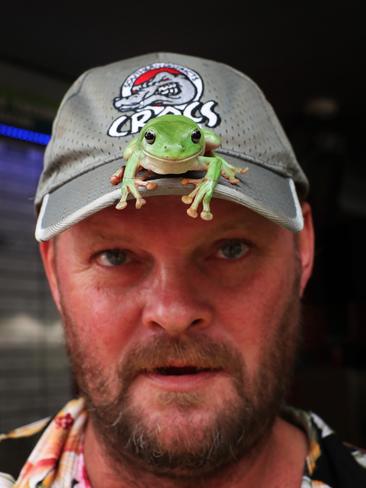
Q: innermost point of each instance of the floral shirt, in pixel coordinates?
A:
(56, 459)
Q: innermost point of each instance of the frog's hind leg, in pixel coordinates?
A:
(229, 171)
(149, 185)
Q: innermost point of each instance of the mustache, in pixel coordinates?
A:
(161, 352)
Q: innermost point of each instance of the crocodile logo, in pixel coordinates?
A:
(160, 89)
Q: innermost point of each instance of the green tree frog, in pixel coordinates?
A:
(174, 144)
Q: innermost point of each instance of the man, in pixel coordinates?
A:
(182, 332)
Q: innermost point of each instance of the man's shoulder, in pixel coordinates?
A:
(331, 462)
(37, 447)
(16, 446)
(27, 430)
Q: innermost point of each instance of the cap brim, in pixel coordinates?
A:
(268, 193)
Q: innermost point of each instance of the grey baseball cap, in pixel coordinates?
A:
(107, 106)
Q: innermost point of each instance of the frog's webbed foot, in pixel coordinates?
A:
(149, 185)
(229, 172)
(203, 192)
(129, 185)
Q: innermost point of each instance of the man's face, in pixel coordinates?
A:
(181, 332)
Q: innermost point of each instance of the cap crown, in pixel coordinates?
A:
(108, 105)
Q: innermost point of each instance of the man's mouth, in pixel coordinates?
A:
(179, 371)
(181, 378)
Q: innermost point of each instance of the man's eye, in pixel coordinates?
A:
(112, 257)
(233, 250)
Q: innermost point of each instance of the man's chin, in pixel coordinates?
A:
(179, 413)
(180, 434)
(183, 424)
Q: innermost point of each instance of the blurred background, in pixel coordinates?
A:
(308, 58)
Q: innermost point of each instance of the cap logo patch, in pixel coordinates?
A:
(161, 89)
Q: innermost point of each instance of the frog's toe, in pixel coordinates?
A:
(192, 212)
(121, 204)
(187, 199)
(140, 202)
(205, 215)
(114, 180)
(151, 185)
(117, 176)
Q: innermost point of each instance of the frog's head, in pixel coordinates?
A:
(172, 137)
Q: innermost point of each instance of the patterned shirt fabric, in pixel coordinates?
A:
(57, 460)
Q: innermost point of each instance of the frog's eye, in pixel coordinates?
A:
(196, 136)
(150, 136)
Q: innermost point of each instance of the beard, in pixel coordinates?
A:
(133, 438)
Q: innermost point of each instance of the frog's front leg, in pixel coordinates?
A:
(204, 187)
(130, 182)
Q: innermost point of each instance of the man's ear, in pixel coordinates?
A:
(48, 254)
(305, 240)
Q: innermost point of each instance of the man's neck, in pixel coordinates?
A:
(278, 462)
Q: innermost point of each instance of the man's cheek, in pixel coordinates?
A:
(89, 311)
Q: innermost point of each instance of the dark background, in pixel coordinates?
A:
(294, 51)
(309, 59)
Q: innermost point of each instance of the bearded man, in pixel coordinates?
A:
(182, 332)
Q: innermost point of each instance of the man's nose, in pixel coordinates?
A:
(176, 303)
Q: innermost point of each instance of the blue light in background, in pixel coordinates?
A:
(24, 134)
